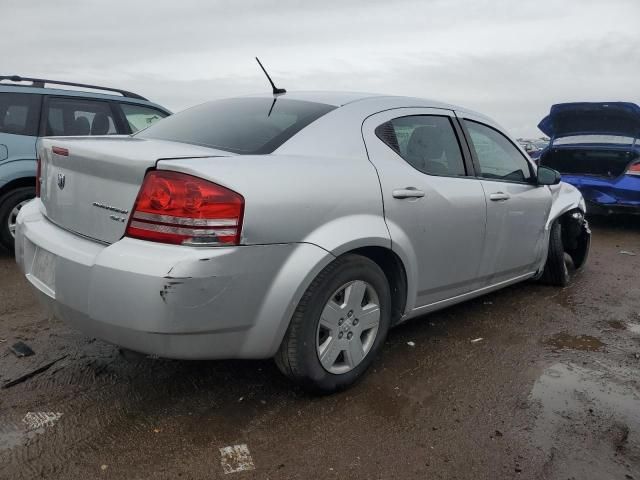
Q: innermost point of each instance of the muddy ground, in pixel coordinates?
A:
(552, 390)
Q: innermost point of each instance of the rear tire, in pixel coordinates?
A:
(556, 272)
(335, 332)
(10, 204)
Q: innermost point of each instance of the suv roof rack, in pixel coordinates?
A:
(40, 82)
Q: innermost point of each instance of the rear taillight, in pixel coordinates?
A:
(38, 175)
(182, 209)
(634, 169)
(64, 152)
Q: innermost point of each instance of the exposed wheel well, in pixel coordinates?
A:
(394, 270)
(575, 236)
(17, 183)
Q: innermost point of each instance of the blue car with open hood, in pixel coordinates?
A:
(595, 146)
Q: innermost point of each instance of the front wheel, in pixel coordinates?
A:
(338, 327)
(556, 271)
(10, 205)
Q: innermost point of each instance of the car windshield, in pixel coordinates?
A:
(239, 125)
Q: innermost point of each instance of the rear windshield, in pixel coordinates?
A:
(239, 125)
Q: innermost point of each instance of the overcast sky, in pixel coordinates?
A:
(508, 59)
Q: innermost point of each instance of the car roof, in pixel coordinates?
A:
(339, 99)
(338, 133)
(375, 101)
(16, 88)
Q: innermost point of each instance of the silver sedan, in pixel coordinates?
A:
(299, 226)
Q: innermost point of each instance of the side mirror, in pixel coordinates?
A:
(548, 176)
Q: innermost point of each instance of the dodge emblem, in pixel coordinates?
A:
(61, 180)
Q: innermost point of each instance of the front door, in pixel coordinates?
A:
(435, 211)
(517, 208)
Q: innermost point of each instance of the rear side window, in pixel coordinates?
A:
(70, 116)
(140, 117)
(427, 142)
(239, 125)
(499, 159)
(19, 113)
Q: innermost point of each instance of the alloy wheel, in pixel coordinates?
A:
(13, 217)
(348, 327)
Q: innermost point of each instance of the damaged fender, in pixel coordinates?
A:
(568, 204)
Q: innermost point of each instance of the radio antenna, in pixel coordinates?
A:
(276, 90)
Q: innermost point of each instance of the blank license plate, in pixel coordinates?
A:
(44, 268)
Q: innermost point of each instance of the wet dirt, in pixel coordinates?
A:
(552, 391)
(575, 342)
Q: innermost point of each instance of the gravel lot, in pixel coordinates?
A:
(551, 390)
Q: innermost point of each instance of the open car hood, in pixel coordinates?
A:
(598, 118)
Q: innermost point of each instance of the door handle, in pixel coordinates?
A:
(408, 192)
(499, 197)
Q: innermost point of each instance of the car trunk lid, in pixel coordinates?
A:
(592, 118)
(89, 185)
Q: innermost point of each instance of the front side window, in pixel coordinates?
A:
(68, 116)
(427, 142)
(140, 117)
(247, 125)
(499, 159)
(19, 113)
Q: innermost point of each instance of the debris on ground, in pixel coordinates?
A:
(626, 252)
(36, 420)
(21, 349)
(236, 458)
(32, 373)
(476, 340)
(411, 344)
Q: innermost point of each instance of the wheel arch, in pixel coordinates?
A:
(317, 259)
(393, 268)
(17, 183)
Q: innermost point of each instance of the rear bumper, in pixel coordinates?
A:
(171, 301)
(604, 196)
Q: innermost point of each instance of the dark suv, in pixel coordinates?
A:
(29, 109)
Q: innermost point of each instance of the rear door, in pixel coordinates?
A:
(517, 208)
(435, 211)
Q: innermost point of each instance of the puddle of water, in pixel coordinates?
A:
(579, 342)
(565, 387)
(598, 406)
(617, 324)
(620, 325)
(14, 435)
